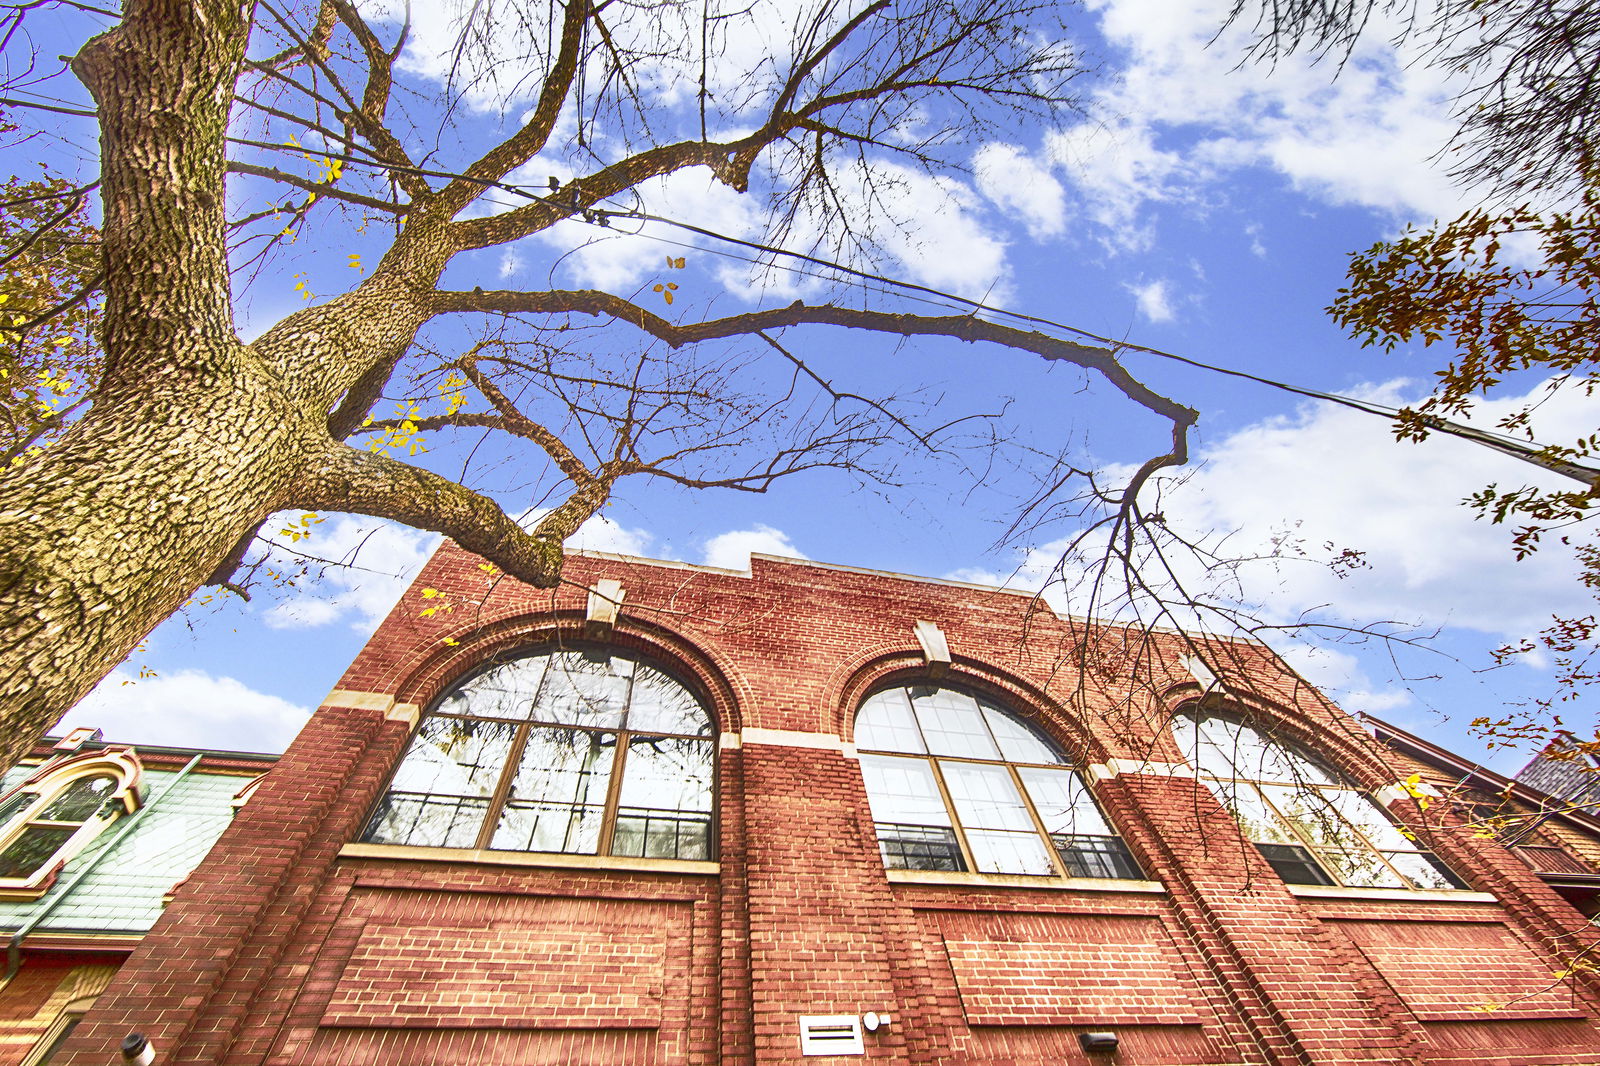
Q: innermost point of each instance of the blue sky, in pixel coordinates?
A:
(1202, 207)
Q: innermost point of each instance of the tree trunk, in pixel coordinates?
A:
(107, 533)
(186, 445)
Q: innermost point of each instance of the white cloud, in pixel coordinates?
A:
(1021, 187)
(601, 534)
(1328, 478)
(188, 708)
(1183, 113)
(1153, 300)
(1342, 678)
(732, 550)
(380, 560)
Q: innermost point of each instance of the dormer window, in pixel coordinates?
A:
(54, 815)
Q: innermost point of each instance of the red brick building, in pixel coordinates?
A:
(668, 814)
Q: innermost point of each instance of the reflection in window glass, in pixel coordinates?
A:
(46, 818)
(581, 752)
(1310, 826)
(31, 848)
(998, 799)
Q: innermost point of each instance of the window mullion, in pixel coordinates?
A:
(1382, 854)
(967, 856)
(1306, 843)
(502, 789)
(1038, 823)
(608, 816)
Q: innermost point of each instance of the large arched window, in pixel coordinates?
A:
(1312, 826)
(957, 783)
(581, 751)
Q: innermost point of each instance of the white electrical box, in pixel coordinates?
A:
(831, 1034)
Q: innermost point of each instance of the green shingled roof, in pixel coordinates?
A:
(122, 893)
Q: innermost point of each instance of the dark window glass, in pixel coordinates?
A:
(1094, 856)
(31, 848)
(970, 786)
(581, 752)
(919, 847)
(1294, 864)
(79, 800)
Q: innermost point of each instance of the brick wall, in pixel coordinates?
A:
(280, 951)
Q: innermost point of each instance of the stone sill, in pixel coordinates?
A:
(1054, 884)
(486, 857)
(1407, 895)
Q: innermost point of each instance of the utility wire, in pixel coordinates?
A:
(1518, 449)
(1526, 451)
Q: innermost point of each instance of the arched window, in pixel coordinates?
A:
(970, 787)
(54, 814)
(580, 751)
(1308, 822)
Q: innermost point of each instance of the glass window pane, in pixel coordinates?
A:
(985, 797)
(16, 805)
(534, 825)
(1294, 864)
(667, 774)
(455, 756)
(427, 821)
(1424, 870)
(504, 691)
(1361, 811)
(885, 724)
(32, 849)
(660, 705)
(1258, 822)
(999, 852)
(1063, 803)
(1096, 856)
(1226, 748)
(919, 847)
(79, 800)
(1017, 742)
(1309, 812)
(952, 724)
(903, 791)
(565, 766)
(1359, 868)
(658, 834)
(584, 688)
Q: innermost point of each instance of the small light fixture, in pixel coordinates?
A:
(1098, 1043)
(872, 1021)
(137, 1049)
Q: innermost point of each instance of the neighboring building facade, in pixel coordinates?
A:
(93, 837)
(669, 814)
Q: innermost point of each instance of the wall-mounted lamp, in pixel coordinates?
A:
(137, 1049)
(872, 1021)
(1098, 1043)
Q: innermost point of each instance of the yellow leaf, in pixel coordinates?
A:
(429, 594)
